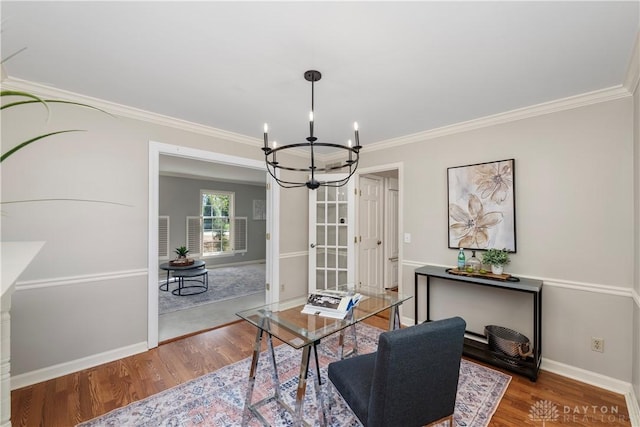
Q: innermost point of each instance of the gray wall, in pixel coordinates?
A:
(574, 217)
(180, 197)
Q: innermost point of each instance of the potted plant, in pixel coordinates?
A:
(182, 252)
(497, 259)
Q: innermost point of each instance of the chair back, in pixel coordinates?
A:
(415, 379)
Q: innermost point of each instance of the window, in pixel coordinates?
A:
(217, 218)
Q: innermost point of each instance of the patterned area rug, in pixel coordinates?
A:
(224, 283)
(217, 399)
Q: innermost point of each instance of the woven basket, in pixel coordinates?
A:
(508, 341)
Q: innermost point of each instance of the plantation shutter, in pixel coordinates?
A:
(163, 237)
(194, 235)
(240, 234)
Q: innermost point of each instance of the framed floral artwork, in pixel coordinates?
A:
(482, 211)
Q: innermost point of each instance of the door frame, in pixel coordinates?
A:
(273, 211)
(383, 168)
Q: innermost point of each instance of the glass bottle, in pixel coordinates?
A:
(461, 259)
(474, 262)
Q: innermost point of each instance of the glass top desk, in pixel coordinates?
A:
(285, 322)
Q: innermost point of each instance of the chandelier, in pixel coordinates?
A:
(351, 161)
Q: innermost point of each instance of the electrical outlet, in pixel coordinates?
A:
(597, 344)
(282, 287)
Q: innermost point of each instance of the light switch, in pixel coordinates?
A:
(407, 237)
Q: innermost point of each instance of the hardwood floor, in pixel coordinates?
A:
(77, 397)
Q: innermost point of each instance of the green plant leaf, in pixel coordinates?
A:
(24, 144)
(24, 95)
(47, 101)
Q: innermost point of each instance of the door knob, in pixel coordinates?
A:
(313, 245)
(379, 242)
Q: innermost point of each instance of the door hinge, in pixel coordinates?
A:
(268, 186)
(355, 239)
(355, 191)
(268, 236)
(360, 239)
(267, 286)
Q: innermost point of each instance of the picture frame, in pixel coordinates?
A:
(259, 210)
(481, 206)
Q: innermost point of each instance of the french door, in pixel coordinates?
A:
(331, 236)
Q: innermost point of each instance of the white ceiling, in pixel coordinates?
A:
(397, 68)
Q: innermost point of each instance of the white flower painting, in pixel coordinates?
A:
(482, 206)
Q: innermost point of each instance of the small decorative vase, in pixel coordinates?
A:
(497, 269)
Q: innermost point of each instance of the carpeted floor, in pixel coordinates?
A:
(217, 399)
(224, 283)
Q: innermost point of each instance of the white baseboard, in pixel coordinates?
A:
(633, 407)
(51, 372)
(588, 377)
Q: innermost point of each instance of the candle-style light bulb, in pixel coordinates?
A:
(275, 145)
(350, 145)
(311, 123)
(355, 127)
(266, 137)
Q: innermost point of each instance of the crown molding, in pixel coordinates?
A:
(127, 111)
(590, 98)
(632, 78)
(563, 104)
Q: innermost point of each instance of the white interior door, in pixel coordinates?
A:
(370, 253)
(331, 236)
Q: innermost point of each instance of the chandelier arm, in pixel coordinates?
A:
(352, 165)
(285, 184)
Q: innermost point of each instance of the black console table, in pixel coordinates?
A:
(479, 350)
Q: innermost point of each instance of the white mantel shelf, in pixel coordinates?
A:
(14, 259)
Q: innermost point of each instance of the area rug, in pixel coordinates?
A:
(217, 399)
(224, 283)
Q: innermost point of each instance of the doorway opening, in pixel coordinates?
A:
(379, 226)
(169, 160)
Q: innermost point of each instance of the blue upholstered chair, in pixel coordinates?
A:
(411, 380)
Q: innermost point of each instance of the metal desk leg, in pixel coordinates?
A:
(274, 370)
(318, 386)
(394, 318)
(302, 385)
(354, 350)
(415, 298)
(246, 413)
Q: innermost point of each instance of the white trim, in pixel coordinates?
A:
(399, 166)
(129, 112)
(294, 254)
(588, 377)
(273, 210)
(74, 280)
(633, 408)
(45, 374)
(566, 284)
(589, 98)
(577, 101)
(636, 297)
(632, 78)
(235, 264)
